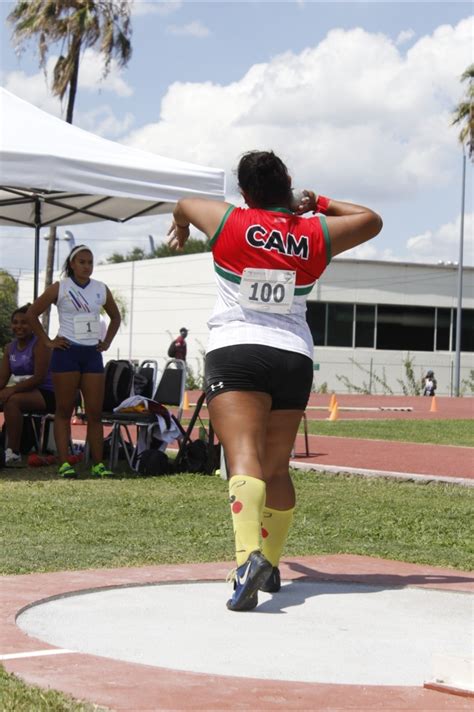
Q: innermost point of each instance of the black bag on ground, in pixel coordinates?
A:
(195, 457)
(153, 462)
(118, 383)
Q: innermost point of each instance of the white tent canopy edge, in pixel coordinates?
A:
(53, 173)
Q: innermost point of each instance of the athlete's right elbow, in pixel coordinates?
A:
(376, 224)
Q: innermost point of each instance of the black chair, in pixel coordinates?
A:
(172, 386)
(169, 392)
(145, 379)
(32, 436)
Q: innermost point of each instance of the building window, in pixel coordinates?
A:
(390, 327)
(365, 326)
(339, 324)
(405, 328)
(316, 318)
(467, 330)
(443, 329)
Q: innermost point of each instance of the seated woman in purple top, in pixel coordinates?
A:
(25, 367)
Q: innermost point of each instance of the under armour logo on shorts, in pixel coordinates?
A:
(215, 386)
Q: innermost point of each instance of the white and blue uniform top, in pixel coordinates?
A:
(79, 310)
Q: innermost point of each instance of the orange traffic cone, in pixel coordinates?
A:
(334, 412)
(434, 405)
(332, 402)
(185, 401)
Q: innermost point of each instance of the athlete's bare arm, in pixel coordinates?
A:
(348, 224)
(49, 297)
(206, 215)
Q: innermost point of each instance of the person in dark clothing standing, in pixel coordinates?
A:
(178, 347)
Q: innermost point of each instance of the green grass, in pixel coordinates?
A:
(16, 696)
(49, 524)
(437, 432)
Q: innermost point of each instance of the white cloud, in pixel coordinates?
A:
(192, 29)
(369, 251)
(155, 7)
(103, 122)
(352, 116)
(93, 80)
(404, 36)
(33, 89)
(443, 243)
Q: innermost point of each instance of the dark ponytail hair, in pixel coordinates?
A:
(67, 269)
(20, 310)
(264, 177)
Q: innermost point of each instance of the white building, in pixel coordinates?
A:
(366, 316)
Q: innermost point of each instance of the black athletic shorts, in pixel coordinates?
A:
(285, 375)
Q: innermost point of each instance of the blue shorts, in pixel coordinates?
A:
(82, 359)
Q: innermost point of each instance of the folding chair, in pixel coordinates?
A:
(145, 379)
(306, 440)
(169, 392)
(32, 435)
(172, 385)
(213, 454)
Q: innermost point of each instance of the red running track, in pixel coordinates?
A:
(376, 457)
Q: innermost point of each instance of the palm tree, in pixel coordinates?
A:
(464, 113)
(74, 25)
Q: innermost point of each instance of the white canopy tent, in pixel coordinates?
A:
(53, 173)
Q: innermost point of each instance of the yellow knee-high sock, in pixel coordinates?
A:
(247, 497)
(275, 526)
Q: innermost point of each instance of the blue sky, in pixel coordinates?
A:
(356, 98)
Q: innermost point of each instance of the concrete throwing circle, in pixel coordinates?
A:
(308, 632)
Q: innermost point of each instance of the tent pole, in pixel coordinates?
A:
(37, 245)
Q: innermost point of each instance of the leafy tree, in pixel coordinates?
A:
(192, 246)
(464, 112)
(8, 303)
(74, 25)
(136, 254)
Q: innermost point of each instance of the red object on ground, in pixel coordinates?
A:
(35, 460)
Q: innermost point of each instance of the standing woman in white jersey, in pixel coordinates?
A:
(77, 363)
(259, 360)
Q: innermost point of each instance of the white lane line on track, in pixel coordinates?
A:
(34, 654)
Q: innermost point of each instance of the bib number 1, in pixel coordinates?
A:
(86, 326)
(269, 290)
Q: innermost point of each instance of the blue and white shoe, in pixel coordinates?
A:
(248, 578)
(273, 582)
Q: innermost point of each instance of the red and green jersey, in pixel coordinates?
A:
(266, 263)
(271, 239)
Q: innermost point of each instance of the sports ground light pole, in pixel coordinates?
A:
(457, 362)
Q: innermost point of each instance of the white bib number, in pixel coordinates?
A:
(86, 326)
(269, 290)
